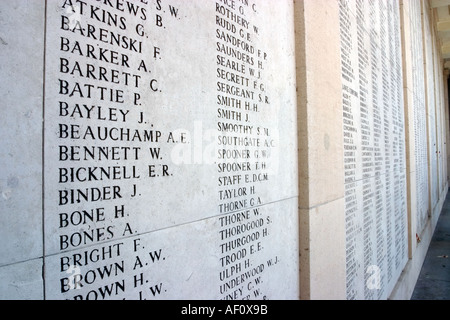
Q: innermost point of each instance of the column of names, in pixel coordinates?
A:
(374, 158)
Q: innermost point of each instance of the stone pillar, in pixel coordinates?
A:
(22, 25)
(321, 181)
(446, 120)
(424, 98)
(148, 150)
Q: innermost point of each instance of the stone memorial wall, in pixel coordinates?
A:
(169, 150)
(218, 149)
(374, 151)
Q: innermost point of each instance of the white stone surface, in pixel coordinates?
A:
(208, 259)
(374, 153)
(22, 281)
(420, 117)
(191, 116)
(21, 83)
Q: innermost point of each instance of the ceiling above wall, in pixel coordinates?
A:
(442, 21)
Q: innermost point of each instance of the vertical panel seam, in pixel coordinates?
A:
(43, 149)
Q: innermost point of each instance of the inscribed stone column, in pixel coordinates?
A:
(421, 99)
(446, 122)
(411, 124)
(374, 151)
